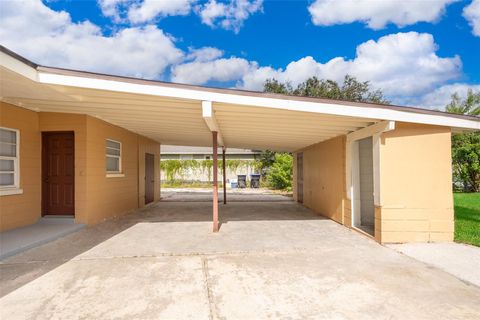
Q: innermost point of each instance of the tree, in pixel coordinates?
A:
(281, 172)
(266, 159)
(351, 89)
(469, 106)
(466, 161)
(466, 147)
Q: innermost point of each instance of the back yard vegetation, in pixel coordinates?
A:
(275, 170)
(467, 218)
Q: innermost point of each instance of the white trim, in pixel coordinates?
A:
(371, 130)
(115, 175)
(209, 116)
(16, 161)
(375, 131)
(11, 191)
(255, 101)
(119, 157)
(18, 66)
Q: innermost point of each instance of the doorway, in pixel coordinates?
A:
(58, 173)
(300, 177)
(363, 185)
(149, 177)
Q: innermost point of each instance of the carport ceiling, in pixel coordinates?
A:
(172, 113)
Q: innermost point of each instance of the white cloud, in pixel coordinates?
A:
(440, 97)
(145, 11)
(402, 64)
(112, 8)
(201, 72)
(49, 37)
(377, 13)
(472, 14)
(204, 54)
(229, 16)
(151, 9)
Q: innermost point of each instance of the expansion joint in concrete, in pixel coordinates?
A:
(211, 303)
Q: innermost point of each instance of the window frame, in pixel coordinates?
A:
(119, 157)
(15, 188)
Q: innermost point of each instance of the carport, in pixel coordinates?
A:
(329, 139)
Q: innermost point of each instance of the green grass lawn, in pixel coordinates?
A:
(467, 218)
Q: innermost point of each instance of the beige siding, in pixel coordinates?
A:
(324, 178)
(416, 184)
(97, 197)
(110, 196)
(23, 209)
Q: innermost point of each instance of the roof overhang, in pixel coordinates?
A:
(185, 115)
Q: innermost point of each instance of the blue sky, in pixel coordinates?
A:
(418, 52)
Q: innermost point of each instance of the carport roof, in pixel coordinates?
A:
(180, 114)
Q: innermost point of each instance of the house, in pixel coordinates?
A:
(239, 161)
(87, 145)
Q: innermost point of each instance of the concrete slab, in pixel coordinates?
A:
(460, 260)
(45, 230)
(335, 285)
(141, 288)
(270, 260)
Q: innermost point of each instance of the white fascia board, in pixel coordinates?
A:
(369, 131)
(255, 101)
(14, 65)
(209, 117)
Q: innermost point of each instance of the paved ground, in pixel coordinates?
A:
(45, 230)
(461, 260)
(270, 260)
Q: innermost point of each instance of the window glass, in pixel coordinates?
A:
(8, 136)
(7, 179)
(7, 165)
(113, 152)
(8, 158)
(113, 164)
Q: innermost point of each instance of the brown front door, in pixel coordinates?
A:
(58, 173)
(149, 177)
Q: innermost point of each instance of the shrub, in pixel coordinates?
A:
(280, 174)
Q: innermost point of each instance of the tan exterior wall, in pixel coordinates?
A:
(324, 178)
(110, 196)
(416, 185)
(22, 209)
(97, 197)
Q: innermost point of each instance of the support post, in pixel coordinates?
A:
(215, 182)
(224, 176)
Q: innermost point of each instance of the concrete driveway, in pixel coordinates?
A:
(270, 260)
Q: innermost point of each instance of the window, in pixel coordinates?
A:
(114, 156)
(9, 168)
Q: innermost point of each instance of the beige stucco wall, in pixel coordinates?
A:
(23, 209)
(416, 184)
(97, 197)
(110, 196)
(324, 178)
